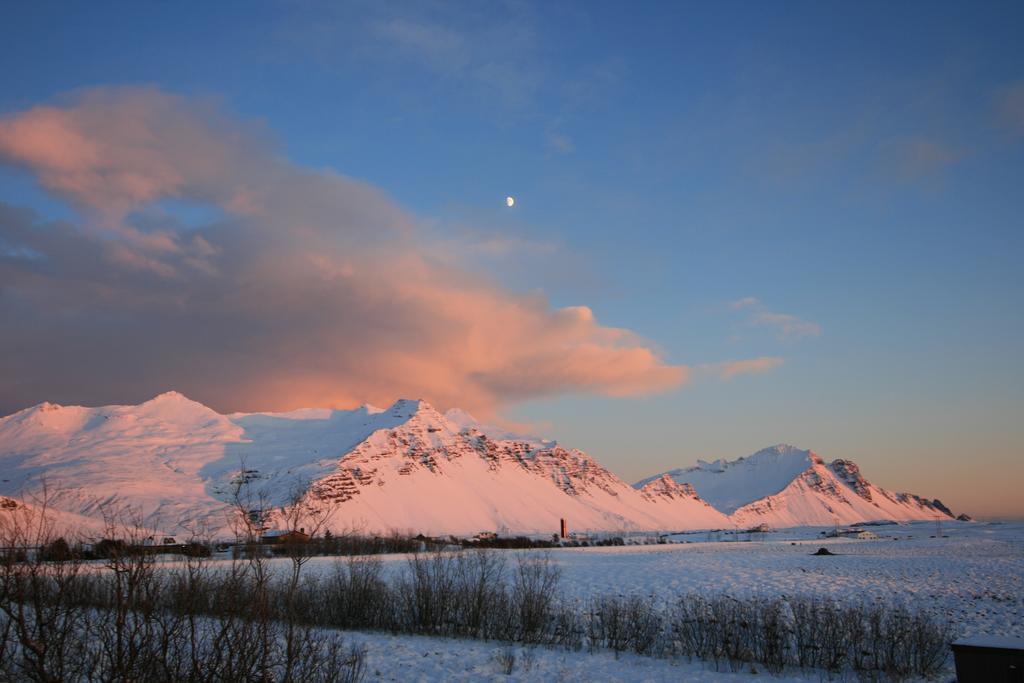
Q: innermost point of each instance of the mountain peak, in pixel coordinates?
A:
(173, 399)
(419, 412)
(731, 484)
(174, 406)
(790, 486)
(170, 396)
(411, 406)
(44, 407)
(781, 453)
(409, 466)
(780, 449)
(667, 487)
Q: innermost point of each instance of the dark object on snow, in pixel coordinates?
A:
(823, 551)
(285, 536)
(989, 658)
(964, 517)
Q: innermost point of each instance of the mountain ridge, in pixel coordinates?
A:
(785, 486)
(407, 467)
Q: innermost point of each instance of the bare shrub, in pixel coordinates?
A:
(608, 624)
(528, 658)
(810, 632)
(484, 605)
(426, 594)
(568, 627)
(123, 620)
(38, 599)
(929, 643)
(506, 660)
(356, 595)
(126, 618)
(533, 598)
(644, 625)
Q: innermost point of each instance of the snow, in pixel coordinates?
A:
(972, 577)
(405, 468)
(993, 642)
(464, 420)
(784, 486)
(731, 485)
(419, 658)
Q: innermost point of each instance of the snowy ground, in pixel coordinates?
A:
(416, 658)
(973, 575)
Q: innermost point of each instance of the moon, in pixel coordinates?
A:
(510, 201)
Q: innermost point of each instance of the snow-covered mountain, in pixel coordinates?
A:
(784, 486)
(405, 468)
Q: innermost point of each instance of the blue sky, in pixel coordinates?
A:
(856, 167)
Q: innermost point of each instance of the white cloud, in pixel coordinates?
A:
(786, 326)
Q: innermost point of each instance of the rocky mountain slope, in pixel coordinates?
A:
(406, 468)
(784, 486)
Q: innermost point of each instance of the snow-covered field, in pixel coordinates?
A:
(426, 660)
(973, 575)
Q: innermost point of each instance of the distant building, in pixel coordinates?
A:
(154, 541)
(273, 536)
(863, 534)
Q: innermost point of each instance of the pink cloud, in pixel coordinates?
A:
(310, 289)
(751, 366)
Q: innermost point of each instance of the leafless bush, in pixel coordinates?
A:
(454, 594)
(484, 603)
(631, 623)
(466, 593)
(427, 595)
(810, 632)
(568, 627)
(128, 619)
(607, 624)
(528, 658)
(533, 598)
(122, 620)
(39, 626)
(506, 660)
(356, 595)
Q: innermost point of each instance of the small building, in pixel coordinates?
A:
(982, 659)
(852, 532)
(274, 536)
(158, 541)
